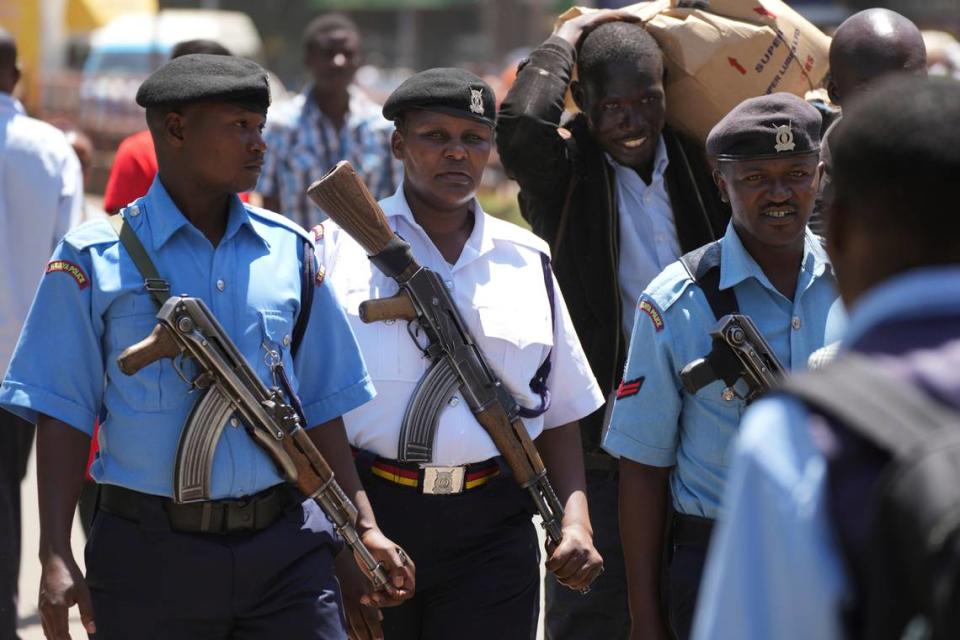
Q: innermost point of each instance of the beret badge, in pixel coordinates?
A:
(476, 101)
(784, 139)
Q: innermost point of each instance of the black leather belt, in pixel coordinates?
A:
(691, 530)
(253, 513)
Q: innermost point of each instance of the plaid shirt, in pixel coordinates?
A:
(302, 145)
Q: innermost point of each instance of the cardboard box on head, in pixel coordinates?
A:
(718, 53)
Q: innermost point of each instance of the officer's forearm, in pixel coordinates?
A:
(62, 453)
(562, 453)
(643, 505)
(331, 439)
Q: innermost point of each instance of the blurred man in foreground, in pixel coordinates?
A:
(799, 553)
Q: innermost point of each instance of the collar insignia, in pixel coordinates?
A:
(785, 139)
(476, 101)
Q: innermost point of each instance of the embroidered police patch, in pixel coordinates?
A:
(629, 388)
(71, 269)
(647, 307)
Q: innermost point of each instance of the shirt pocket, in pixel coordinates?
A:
(515, 342)
(156, 387)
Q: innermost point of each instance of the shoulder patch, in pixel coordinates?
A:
(647, 307)
(71, 269)
(629, 388)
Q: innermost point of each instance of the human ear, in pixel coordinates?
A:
(173, 128)
(721, 183)
(396, 144)
(579, 99)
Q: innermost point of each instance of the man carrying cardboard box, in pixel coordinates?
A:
(619, 197)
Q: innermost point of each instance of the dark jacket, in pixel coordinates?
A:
(568, 195)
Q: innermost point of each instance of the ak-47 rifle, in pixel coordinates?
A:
(457, 362)
(186, 326)
(739, 352)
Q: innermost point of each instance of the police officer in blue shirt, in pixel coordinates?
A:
(794, 555)
(671, 442)
(155, 568)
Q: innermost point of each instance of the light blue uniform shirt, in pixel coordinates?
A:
(774, 569)
(92, 304)
(654, 421)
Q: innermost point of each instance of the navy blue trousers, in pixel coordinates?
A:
(477, 558)
(149, 582)
(603, 612)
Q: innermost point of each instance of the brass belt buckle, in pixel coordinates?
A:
(443, 480)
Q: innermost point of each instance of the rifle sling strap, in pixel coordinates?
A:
(703, 265)
(159, 289)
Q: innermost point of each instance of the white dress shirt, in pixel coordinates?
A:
(648, 235)
(498, 286)
(41, 197)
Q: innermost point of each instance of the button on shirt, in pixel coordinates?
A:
(648, 235)
(774, 569)
(93, 304)
(303, 144)
(655, 422)
(498, 286)
(41, 197)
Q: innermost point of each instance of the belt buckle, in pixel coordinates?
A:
(443, 480)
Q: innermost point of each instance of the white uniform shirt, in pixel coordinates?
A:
(498, 286)
(41, 197)
(648, 235)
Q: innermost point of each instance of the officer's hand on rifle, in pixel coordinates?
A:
(575, 562)
(399, 568)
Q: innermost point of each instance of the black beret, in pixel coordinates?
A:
(773, 126)
(202, 77)
(448, 90)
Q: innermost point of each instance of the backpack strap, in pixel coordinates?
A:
(538, 383)
(703, 265)
(158, 288)
(308, 273)
(892, 414)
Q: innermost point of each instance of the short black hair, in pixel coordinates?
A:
(327, 23)
(615, 42)
(8, 49)
(200, 45)
(896, 157)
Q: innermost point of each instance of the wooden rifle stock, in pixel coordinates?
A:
(345, 198)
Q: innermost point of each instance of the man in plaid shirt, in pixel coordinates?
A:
(331, 120)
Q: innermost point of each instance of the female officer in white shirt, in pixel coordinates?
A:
(476, 550)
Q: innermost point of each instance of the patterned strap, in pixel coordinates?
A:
(538, 383)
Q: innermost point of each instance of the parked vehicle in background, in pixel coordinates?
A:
(127, 49)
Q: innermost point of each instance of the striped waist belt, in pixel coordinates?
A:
(432, 479)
